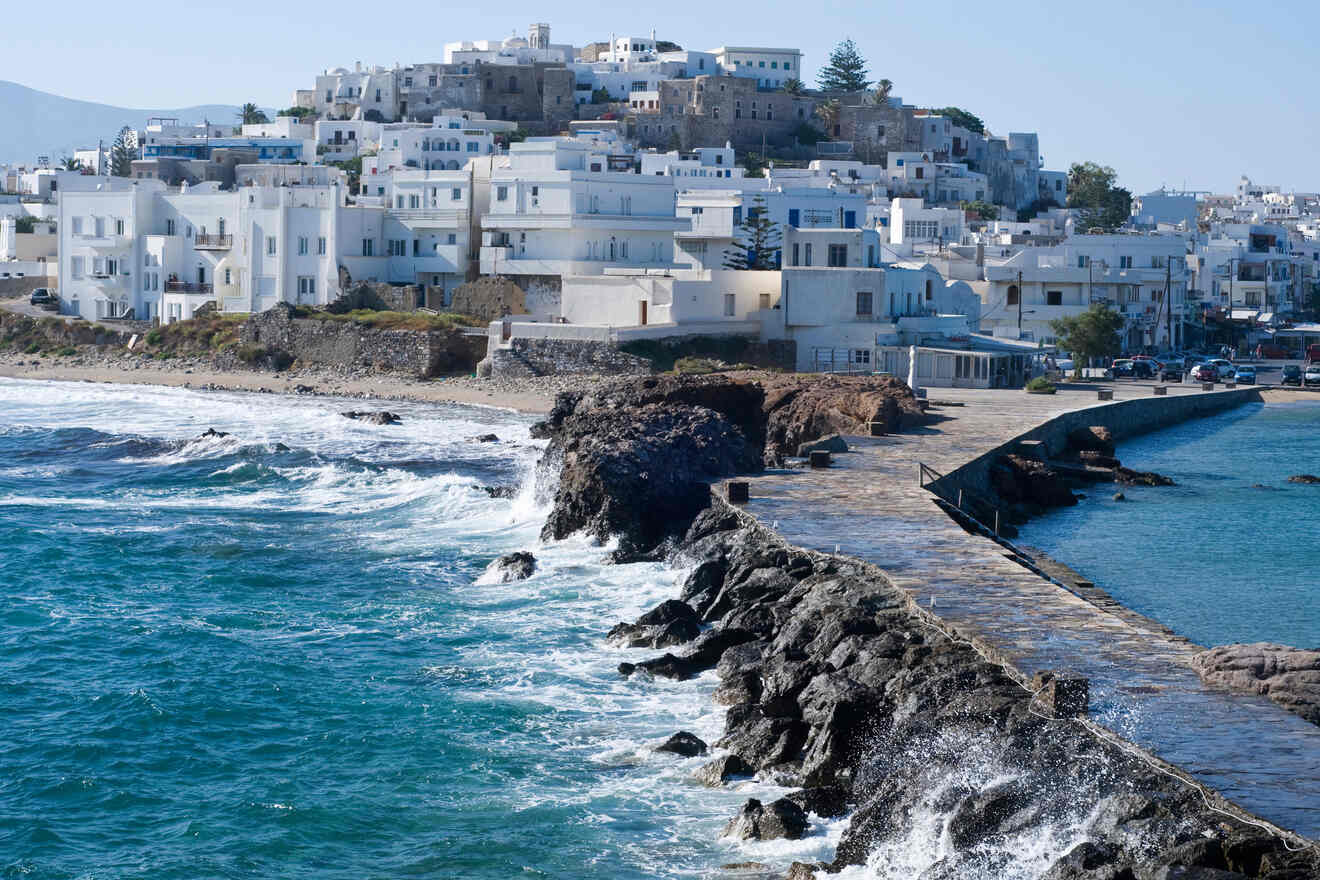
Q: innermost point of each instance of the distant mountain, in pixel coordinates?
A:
(34, 123)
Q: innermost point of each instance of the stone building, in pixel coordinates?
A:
(709, 110)
(873, 129)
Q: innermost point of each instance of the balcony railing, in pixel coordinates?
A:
(188, 287)
(213, 242)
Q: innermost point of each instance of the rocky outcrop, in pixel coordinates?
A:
(1097, 439)
(800, 409)
(1307, 479)
(828, 443)
(670, 623)
(1288, 676)
(636, 458)
(512, 567)
(1128, 477)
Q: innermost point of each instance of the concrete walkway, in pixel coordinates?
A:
(870, 505)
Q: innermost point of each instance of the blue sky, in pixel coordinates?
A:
(1167, 92)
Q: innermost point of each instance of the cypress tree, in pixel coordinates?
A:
(846, 71)
(757, 244)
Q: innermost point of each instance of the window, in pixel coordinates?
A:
(763, 300)
(320, 246)
(1125, 262)
(368, 247)
(806, 254)
(306, 286)
(77, 225)
(1054, 297)
(838, 256)
(796, 255)
(1014, 296)
(729, 305)
(472, 146)
(737, 216)
(302, 245)
(794, 217)
(696, 211)
(863, 303)
(119, 227)
(229, 276)
(921, 173)
(270, 245)
(501, 193)
(453, 238)
(76, 266)
(430, 81)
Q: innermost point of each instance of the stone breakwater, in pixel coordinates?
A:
(839, 686)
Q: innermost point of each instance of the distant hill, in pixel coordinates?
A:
(34, 123)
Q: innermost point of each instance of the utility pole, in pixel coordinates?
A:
(1019, 336)
(1168, 303)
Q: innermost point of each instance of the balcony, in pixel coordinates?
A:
(213, 242)
(101, 241)
(188, 287)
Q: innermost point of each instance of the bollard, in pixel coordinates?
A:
(1207, 386)
(878, 429)
(820, 459)
(1105, 394)
(1061, 695)
(737, 491)
(1161, 390)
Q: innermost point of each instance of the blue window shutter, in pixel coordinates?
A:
(793, 216)
(850, 219)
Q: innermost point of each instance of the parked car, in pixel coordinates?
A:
(1226, 367)
(1270, 351)
(44, 298)
(1292, 375)
(1121, 368)
(1313, 354)
(1245, 375)
(1143, 369)
(1171, 372)
(1205, 372)
(1312, 375)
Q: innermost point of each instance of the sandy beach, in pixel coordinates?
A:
(535, 395)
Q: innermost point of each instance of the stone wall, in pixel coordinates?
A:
(709, 110)
(421, 353)
(525, 358)
(377, 296)
(28, 283)
(22, 330)
(489, 298)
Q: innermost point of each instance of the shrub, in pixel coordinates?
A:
(251, 353)
(67, 351)
(1040, 385)
(154, 337)
(32, 348)
(697, 366)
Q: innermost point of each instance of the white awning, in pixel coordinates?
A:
(1266, 318)
(1244, 314)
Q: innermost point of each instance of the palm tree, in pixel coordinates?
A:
(68, 163)
(793, 86)
(251, 114)
(881, 94)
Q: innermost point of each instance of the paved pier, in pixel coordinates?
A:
(870, 505)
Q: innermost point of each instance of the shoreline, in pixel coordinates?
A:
(531, 396)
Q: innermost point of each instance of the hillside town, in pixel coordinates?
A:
(576, 198)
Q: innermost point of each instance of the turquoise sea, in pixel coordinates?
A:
(273, 654)
(1230, 554)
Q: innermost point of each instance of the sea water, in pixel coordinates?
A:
(1229, 554)
(274, 654)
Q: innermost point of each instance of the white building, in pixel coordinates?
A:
(771, 68)
(446, 144)
(560, 207)
(713, 163)
(1130, 273)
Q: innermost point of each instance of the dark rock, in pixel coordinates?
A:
(513, 567)
(212, 432)
(381, 417)
(704, 654)
(667, 612)
(996, 811)
(781, 819)
(1128, 477)
(688, 745)
(1308, 479)
(1021, 480)
(1288, 676)
(828, 443)
(806, 870)
(724, 768)
(280, 447)
(826, 801)
(800, 409)
(501, 491)
(665, 635)
(1094, 439)
(760, 739)
(485, 438)
(1119, 496)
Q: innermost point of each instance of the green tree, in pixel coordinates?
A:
(794, 86)
(829, 111)
(667, 46)
(25, 224)
(1092, 334)
(373, 115)
(1092, 189)
(754, 165)
(675, 142)
(600, 96)
(68, 163)
(298, 112)
(962, 118)
(880, 97)
(846, 70)
(251, 114)
(808, 135)
(757, 244)
(984, 210)
(121, 154)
